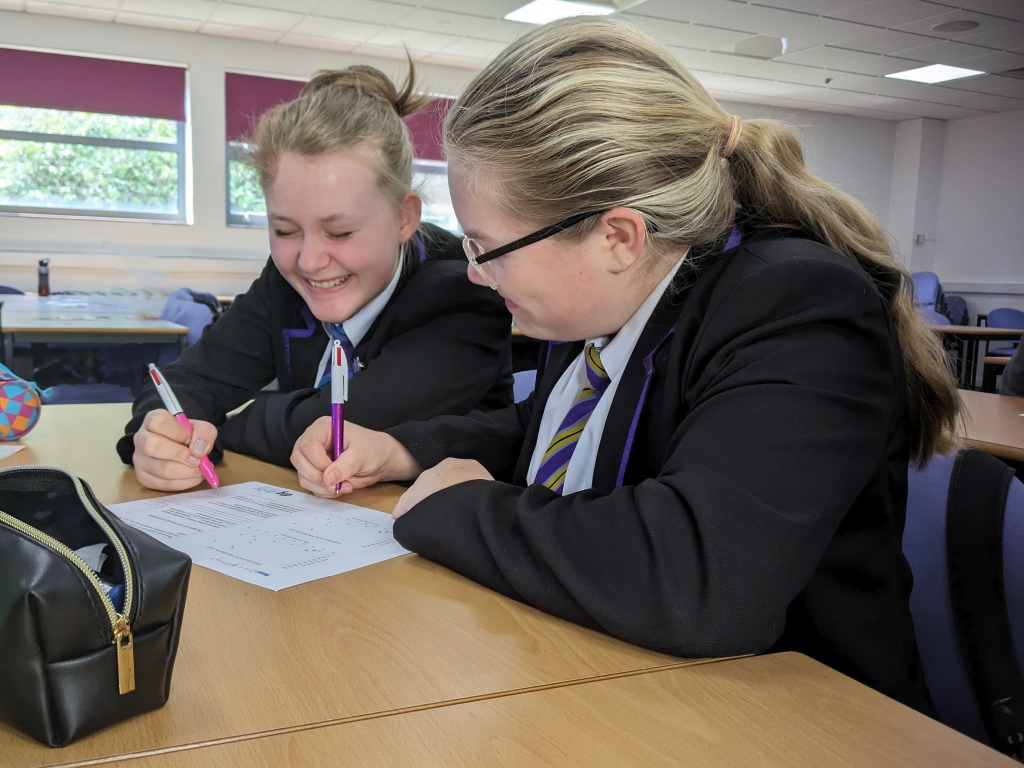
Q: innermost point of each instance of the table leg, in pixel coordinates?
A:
(972, 362)
(9, 350)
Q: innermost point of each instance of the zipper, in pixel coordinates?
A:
(120, 624)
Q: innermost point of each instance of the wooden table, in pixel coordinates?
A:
(400, 634)
(969, 336)
(778, 710)
(995, 423)
(81, 320)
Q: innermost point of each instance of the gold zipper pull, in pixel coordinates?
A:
(125, 656)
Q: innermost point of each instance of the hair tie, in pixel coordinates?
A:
(734, 135)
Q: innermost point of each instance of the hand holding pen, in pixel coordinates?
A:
(171, 403)
(339, 394)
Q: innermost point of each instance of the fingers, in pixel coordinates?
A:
(166, 475)
(204, 435)
(160, 422)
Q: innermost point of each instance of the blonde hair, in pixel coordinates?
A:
(588, 114)
(358, 108)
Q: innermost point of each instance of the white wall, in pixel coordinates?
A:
(854, 153)
(979, 238)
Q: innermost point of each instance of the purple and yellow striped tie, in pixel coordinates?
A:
(556, 458)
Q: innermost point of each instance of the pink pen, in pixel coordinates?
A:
(339, 394)
(171, 404)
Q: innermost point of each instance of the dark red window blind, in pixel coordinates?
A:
(84, 84)
(247, 97)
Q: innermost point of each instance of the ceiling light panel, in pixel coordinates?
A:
(936, 73)
(544, 11)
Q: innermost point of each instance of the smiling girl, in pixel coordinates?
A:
(715, 462)
(349, 261)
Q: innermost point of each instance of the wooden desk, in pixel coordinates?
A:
(80, 320)
(995, 423)
(969, 337)
(403, 633)
(779, 710)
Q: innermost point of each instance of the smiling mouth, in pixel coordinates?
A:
(327, 283)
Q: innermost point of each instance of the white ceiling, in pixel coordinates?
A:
(851, 43)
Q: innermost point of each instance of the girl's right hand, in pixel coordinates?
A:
(167, 455)
(369, 457)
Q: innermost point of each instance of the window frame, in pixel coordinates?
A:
(179, 146)
(233, 154)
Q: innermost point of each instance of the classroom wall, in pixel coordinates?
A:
(854, 153)
(979, 237)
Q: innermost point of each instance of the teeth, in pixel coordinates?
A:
(327, 283)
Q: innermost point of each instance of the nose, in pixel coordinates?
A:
(313, 255)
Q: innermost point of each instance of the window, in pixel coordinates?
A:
(91, 137)
(430, 180)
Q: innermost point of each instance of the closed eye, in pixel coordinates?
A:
(339, 235)
(283, 233)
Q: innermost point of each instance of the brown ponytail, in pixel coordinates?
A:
(589, 114)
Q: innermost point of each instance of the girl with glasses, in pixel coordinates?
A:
(349, 261)
(714, 461)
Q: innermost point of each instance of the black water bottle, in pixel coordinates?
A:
(44, 277)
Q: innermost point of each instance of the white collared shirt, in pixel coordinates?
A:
(615, 352)
(357, 325)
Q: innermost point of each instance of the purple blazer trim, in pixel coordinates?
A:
(735, 237)
(649, 368)
(300, 333)
(420, 247)
(551, 344)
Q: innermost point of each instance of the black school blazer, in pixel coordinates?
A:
(440, 345)
(750, 485)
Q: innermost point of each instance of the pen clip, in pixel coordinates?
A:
(339, 374)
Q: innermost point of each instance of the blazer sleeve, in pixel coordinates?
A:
(442, 360)
(789, 414)
(232, 361)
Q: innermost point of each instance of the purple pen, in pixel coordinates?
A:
(339, 394)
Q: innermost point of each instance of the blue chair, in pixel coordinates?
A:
(1005, 317)
(925, 546)
(11, 290)
(523, 384)
(183, 309)
(932, 317)
(926, 289)
(956, 310)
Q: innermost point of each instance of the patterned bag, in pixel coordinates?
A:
(20, 405)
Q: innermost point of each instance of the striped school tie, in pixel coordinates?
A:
(553, 466)
(337, 332)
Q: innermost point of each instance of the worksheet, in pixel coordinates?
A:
(269, 536)
(9, 450)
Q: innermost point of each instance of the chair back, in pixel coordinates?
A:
(926, 288)
(10, 289)
(523, 384)
(932, 317)
(1004, 317)
(956, 310)
(956, 505)
(183, 310)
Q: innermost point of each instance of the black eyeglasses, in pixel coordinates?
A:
(478, 257)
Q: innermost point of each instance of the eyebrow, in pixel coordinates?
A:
(325, 220)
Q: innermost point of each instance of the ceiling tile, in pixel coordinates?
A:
(945, 52)
(246, 33)
(159, 22)
(483, 50)
(840, 59)
(423, 42)
(494, 9)
(997, 85)
(985, 24)
(12, 5)
(1000, 61)
(337, 30)
(823, 7)
(885, 41)
(1008, 9)
(108, 5)
(363, 10)
(501, 31)
(890, 13)
(293, 6)
(198, 10)
(324, 43)
(684, 35)
(256, 18)
(74, 11)
(450, 60)
(442, 22)
(1010, 37)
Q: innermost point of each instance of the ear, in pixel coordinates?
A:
(624, 238)
(409, 216)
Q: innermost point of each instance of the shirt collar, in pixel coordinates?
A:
(615, 350)
(357, 325)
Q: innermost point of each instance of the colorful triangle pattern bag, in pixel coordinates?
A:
(20, 405)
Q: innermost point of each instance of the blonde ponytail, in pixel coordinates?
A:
(589, 114)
